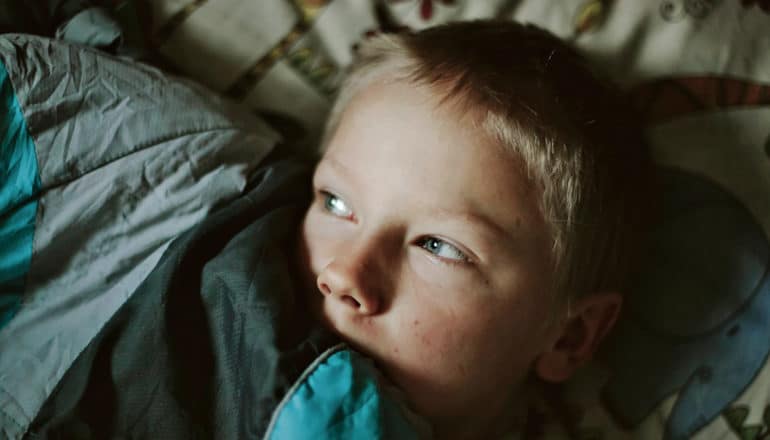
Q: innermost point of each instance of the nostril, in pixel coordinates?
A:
(351, 301)
(325, 288)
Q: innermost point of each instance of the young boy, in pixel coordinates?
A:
(475, 217)
(473, 222)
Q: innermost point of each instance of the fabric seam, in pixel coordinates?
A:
(7, 415)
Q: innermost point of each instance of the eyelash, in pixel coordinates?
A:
(422, 242)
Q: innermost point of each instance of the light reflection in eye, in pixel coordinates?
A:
(336, 206)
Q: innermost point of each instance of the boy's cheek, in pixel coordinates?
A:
(451, 283)
(437, 368)
(432, 341)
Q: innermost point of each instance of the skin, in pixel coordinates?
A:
(424, 248)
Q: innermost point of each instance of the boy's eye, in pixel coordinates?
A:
(442, 249)
(336, 205)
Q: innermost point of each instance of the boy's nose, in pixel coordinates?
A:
(348, 283)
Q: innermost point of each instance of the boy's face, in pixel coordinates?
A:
(426, 250)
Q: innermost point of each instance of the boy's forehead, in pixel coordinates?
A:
(397, 140)
(410, 125)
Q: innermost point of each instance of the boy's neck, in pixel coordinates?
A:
(487, 424)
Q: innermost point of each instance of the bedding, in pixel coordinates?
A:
(104, 163)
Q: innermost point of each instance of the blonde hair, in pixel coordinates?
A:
(579, 143)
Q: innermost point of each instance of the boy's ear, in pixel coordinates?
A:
(590, 321)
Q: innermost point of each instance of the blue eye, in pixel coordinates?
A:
(442, 249)
(336, 206)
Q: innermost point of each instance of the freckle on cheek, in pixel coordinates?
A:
(416, 323)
